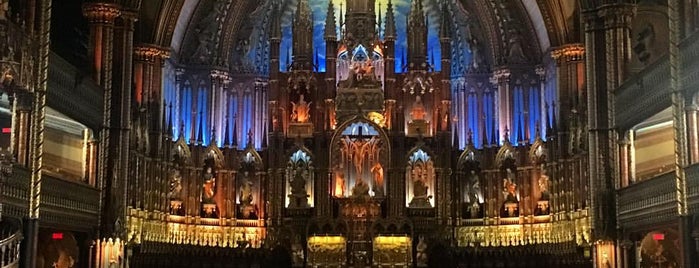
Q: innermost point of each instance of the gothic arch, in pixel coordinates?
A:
(506, 152)
(538, 153)
(362, 119)
(215, 154)
(182, 151)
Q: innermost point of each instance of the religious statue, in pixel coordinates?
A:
(175, 186)
(420, 192)
(298, 197)
(4, 8)
(360, 189)
(301, 111)
(418, 110)
(474, 188)
(421, 255)
(246, 192)
(377, 172)
(544, 186)
(246, 207)
(340, 185)
(297, 254)
(175, 193)
(511, 204)
(208, 187)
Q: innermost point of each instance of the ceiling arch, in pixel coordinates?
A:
(540, 24)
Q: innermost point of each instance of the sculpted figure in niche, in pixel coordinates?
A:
(421, 256)
(360, 189)
(544, 185)
(301, 111)
(208, 187)
(420, 190)
(418, 110)
(377, 172)
(340, 187)
(175, 186)
(298, 196)
(4, 8)
(246, 191)
(510, 188)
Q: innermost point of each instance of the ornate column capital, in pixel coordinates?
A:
(617, 15)
(568, 52)
(150, 52)
(500, 75)
(101, 13)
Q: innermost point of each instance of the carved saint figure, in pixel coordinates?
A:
(377, 171)
(208, 187)
(510, 188)
(301, 110)
(360, 189)
(298, 196)
(4, 7)
(175, 186)
(475, 188)
(418, 110)
(544, 186)
(246, 191)
(340, 185)
(421, 255)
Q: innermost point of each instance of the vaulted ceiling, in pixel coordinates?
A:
(542, 24)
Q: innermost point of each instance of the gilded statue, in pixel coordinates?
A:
(175, 186)
(421, 255)
(420, 191)
(246, 192)
(300, 111)
(4, 8)
(474, 187)
(544, 185)
(377, 172)
(418, 110)
(340, 187)
(360, 189)
(298, 197)
(208, 187)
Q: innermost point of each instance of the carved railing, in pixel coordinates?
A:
(64, 202)
(692, 175)
(648, 202)
(576, 229)
(648, 92)
(11, 235)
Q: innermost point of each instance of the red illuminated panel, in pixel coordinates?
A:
(57, 236)
(6, 130)
(658, 236)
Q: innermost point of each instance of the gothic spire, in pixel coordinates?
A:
(330, 33)
(445, 26)
(170, 128)
(390, 31)
(417, 36)
(276, 25)
(303, 36)
(200, 136)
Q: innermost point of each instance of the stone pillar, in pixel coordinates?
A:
(606, 31)
(101, 18)
(570, 79)
(693, 133)
(503, 100)
(147, 79)
(624, 159)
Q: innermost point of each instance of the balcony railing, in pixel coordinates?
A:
(11, 235)
(653, 201)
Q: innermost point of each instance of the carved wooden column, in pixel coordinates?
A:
(570, 78)
(21, 119)
(693, 133)
(606, 31)
(148, 76)
(101, 17)
(501, 79)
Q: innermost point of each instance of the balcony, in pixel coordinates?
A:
(653, 201)
(64, 203)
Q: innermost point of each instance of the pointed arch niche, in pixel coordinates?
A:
(299, 180)
(248, 185)
(420, 180)
(359, 156)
